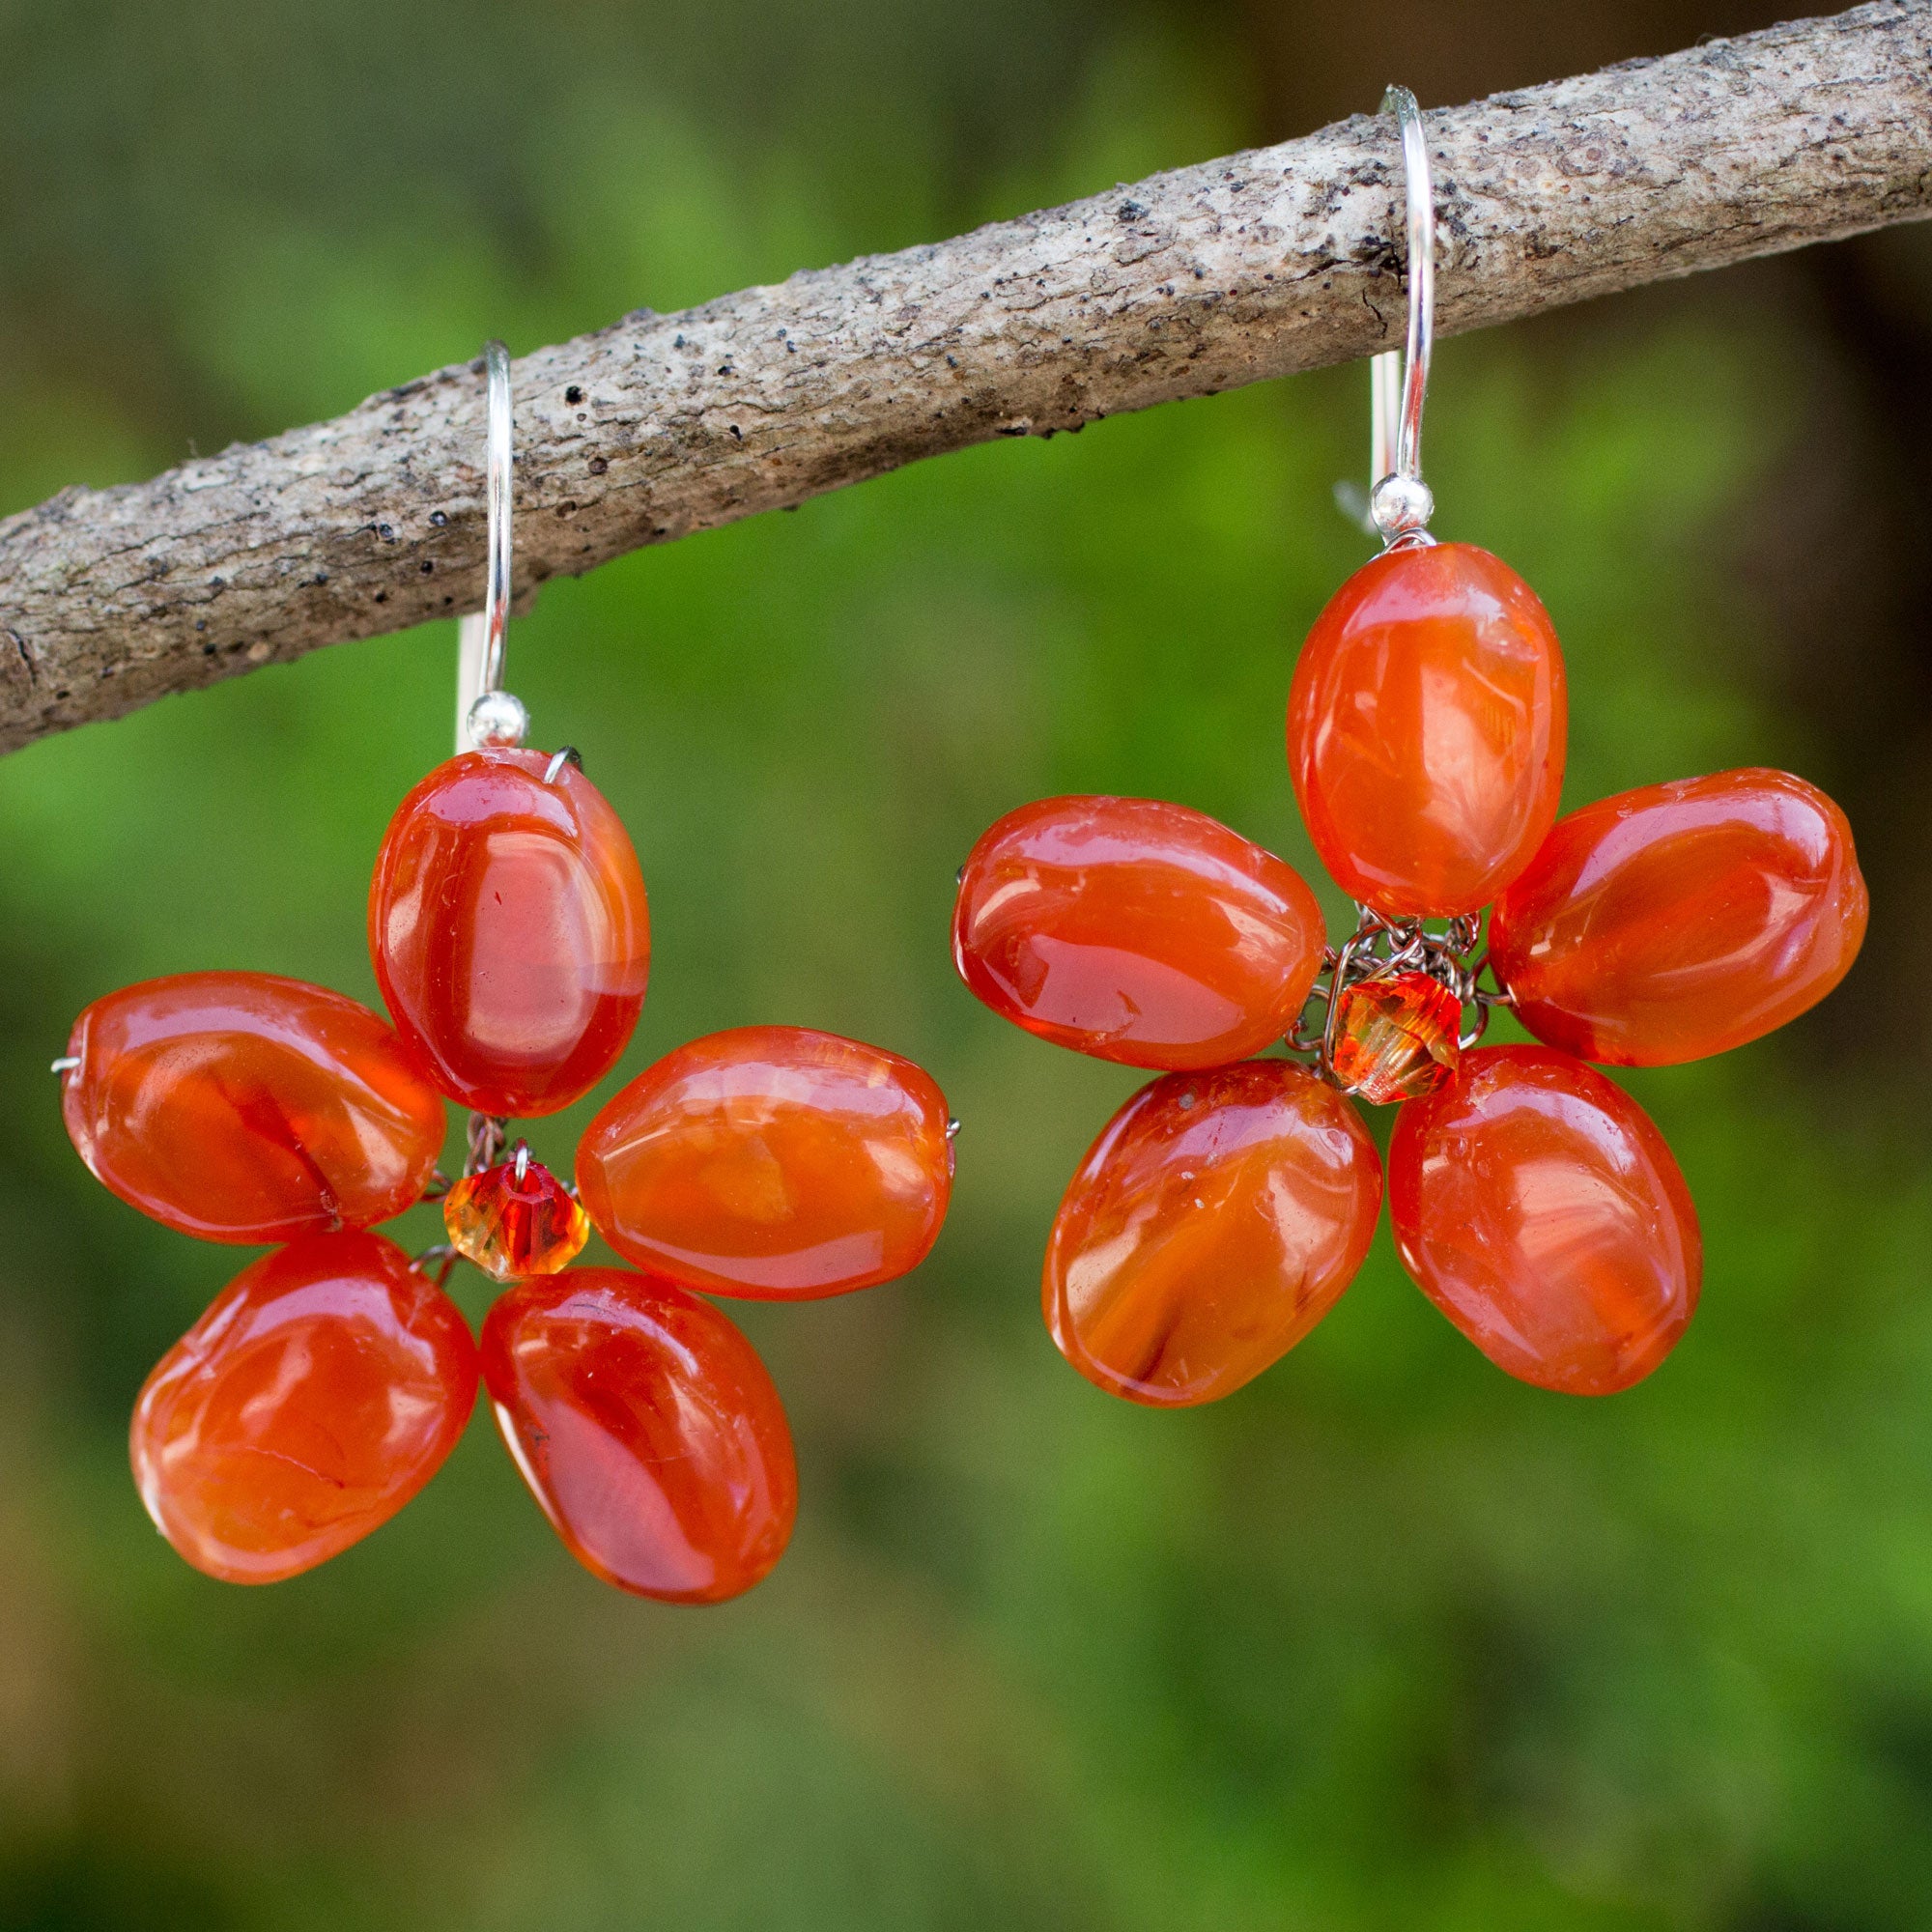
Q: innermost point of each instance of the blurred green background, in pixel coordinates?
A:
(1385, 1640)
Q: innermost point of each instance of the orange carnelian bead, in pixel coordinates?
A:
(240, 1107)
(1536, 1205)
(646, 1426)
(1395, 1039)
(515, 1220)
(1426, 730)
(510, 930)
(322, 1389)
(1210, 1227)
(1135, 932)
(772, 1162)
(1681, 920)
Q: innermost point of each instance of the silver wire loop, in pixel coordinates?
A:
(1400, 504)
(1378, 948)
(486, 714)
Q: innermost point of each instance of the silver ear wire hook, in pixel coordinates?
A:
(1400, 504)
(486, 714)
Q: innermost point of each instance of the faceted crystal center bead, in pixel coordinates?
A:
(516, 1220)
(1395, 1039)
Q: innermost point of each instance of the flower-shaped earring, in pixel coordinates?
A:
(326, 1383)
(1228, 1205)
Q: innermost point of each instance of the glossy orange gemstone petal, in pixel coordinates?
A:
(1136, 932)
(509, 929)
(1210, 1227)
(513, 1226)
(322, 1389)
(242, 1107)
(1682, 920)
(1426, 730)
(647, 1429)
(1395, 1039)
(1537, 1205)
(772, 1162)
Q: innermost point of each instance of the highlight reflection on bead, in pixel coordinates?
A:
(1214, 1222)
(1538, 1206)
(1136, 932)
(778, 1163)
(1682, 920)
(510, 930)
(1426, 730)
(243, 1107)
(646, 1427)
(322, 1389)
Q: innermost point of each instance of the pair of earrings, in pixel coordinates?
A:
(1214, 1222)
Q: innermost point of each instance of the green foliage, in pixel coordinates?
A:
(1386, 1640)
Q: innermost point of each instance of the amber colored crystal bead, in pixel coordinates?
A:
(322, 1389)
(1426, 730)
(1682, 920)
(772, 1162)
(647, 1429)
(1395, 1039)
(1136, 932)
(242, 1107)
(509, 929)
(515, 1220)
(1537, 1205)
(1214, 1222)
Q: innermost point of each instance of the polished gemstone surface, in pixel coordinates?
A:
(1136, 932)
(322, 1389)
(1395, 1039)
(1210, 1227)
(242, 1107)
(774, 1162)
(514, 1225)
(1426, 730)
(1537, 1205)
(1681, 920)
(646, 1427)
(509, 929)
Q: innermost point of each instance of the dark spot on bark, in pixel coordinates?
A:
(209, 650)
(218, 582)
(427, 566)
(381, 597)
(573, 394)
(201, 623)
(599, 465)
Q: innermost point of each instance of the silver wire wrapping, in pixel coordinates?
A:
(1378, 948)
(488, 1135)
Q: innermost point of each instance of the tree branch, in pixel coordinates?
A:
(1188, 283)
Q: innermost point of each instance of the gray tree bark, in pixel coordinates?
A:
(1266, 262)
